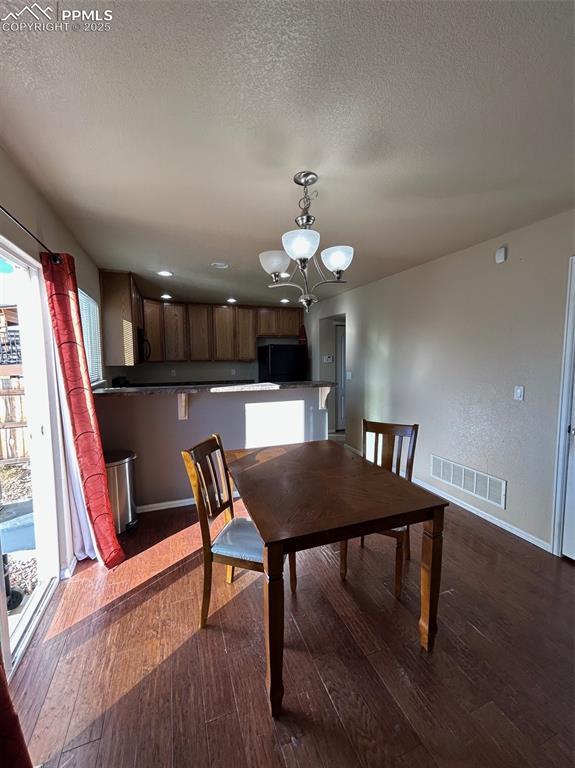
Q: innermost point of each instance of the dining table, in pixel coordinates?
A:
(310, 494)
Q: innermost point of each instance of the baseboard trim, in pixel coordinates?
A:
(165, 505)
(66, 573)
(486, 516)
(190, 502)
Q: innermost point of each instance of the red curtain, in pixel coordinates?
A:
(12, 744)
(62, 290)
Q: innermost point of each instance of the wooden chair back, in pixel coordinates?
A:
(390, 437)
(210, 480)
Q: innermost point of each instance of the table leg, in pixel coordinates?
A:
(431, 547)
(274, 625)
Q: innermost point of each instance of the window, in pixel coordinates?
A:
(90, 315)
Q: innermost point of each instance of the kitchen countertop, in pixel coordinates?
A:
(190, 389)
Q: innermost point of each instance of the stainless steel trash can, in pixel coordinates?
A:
(120, 472)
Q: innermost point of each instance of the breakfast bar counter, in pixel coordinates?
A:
(214, 388)
(159, 421)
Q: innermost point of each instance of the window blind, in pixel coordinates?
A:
(90, 314)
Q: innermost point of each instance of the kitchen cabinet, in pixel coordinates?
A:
(289, 321)
(175, 332)
(224, 330)
(278, 322)
(245, 333)
(267, 322)
(200, 331)
(137, 330)
(137, 306)
(121, 318)
(153, 331)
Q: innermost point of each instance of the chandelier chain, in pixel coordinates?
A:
(306, 201)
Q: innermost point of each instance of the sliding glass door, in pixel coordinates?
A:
(28, 516)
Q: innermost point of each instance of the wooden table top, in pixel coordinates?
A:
(313, 493)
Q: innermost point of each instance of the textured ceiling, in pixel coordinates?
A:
(170, 141)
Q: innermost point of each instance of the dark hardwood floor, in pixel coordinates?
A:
(118, 674)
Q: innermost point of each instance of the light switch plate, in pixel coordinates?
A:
(519, 392)
(501, 255)
(348, 375)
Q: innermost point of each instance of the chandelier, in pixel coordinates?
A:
(300, 246)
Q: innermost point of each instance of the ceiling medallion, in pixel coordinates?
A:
(300, 246)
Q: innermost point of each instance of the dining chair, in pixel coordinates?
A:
(238, 544)
(390, 438)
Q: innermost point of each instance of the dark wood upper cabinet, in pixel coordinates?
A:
(137, 330)
(137, 306)
(245, 333)
(224, 328)
(200, 331)
(278, 322)
(289, 321)
(153, 331)
(175, 332)
(267, 321)
(121, 316)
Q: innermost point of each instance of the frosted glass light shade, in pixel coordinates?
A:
(300, 243)
(338, 258)
(274, 262)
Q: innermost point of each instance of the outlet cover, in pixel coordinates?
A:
(519, 392)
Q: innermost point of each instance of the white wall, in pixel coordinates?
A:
(21, 198)
(444, 343)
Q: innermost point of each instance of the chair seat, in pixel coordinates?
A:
(240, 539)
(391, 531)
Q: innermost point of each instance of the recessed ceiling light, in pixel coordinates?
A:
(284, 274)
(165, 296)
(231, 301)
(220, 264)
(284, 301)
(165, 273)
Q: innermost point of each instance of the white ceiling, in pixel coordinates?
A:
(170, 141)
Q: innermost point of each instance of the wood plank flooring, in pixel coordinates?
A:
(118, 675)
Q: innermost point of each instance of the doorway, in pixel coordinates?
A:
(564, 510)
(340, 377)
(28, 518)
(568, 538)
(333, 368)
